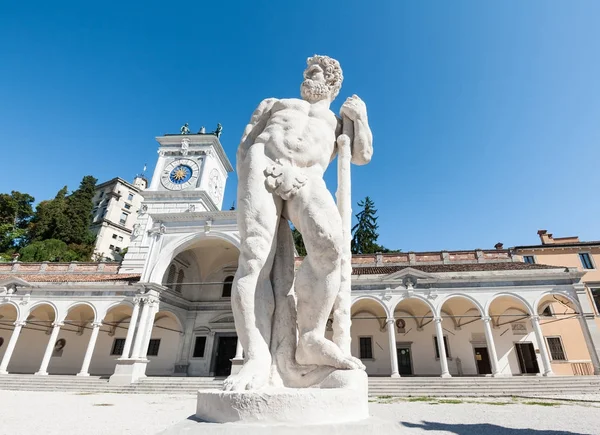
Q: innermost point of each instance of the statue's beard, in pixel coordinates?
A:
(312, 91)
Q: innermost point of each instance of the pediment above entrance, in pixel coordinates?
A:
(408, 277)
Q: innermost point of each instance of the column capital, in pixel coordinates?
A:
(96, 324)
(20, 323)
(486, 319)
(136, 300)
(390, 320)
(438, 319)
(59, 324)
(535, 319)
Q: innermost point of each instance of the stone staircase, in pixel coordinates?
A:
(400, 387)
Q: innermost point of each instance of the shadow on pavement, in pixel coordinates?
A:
(482, 428)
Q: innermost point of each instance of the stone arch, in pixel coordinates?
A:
(38, 304)
(166, 312)
(460, 295)
(422, 319)
(374, 299)
(115, 305)
(15, 306)
(79, 303)
(175, 247)
(538, 301)
(112, 320)
(511, 295)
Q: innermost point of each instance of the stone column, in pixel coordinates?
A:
(87, 359)
(393, 350)
(153, 309)
(588, 341)
(139, 337)
(535, 322)
(489, 338)
(131, 329)
(441, 348)
(11, 347)
(49, 348)
(239, 350)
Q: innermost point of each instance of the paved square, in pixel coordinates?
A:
(54, 413)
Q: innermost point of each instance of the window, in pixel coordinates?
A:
(596, 296)
(103, 212)
(180, 278)
(123, 217)
(117, 249)
(437, 349)
(118, 346)
(114, 236)
(529, 259)
(120, 238)
(227, 287)
(127, 206)
(111, 247)
(557, 352)
(199, 347)
(366, 347)
(171, 277)
(586, 261)
(101, 193)
(153, 347)
(130, 197)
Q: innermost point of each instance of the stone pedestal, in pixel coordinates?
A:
(236, 365)
(342, 398)
(128, 370)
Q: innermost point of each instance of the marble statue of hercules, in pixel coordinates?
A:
(283, 154)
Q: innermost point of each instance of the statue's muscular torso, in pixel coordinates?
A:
(300, 134)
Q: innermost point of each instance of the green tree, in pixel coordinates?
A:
(364, 233)
(78, 214)
(298, 242)
(67, 219)
(48, 250)
(15, 214)
(49, 217)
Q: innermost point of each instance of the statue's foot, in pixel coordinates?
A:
(320, 351)
(253, 375)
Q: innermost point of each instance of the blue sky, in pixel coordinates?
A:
(484, 114)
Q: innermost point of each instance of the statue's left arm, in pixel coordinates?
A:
(362, 146)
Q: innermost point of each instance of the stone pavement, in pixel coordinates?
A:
(54, 413)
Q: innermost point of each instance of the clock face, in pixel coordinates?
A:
(180, 174)
(215, 185)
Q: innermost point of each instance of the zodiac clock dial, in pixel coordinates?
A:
(180, 174)
(215, 185)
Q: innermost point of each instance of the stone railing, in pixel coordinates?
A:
(58, 268)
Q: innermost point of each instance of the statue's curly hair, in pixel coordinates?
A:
(332, 71)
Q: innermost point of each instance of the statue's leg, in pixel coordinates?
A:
(314, 213)
(252, 299)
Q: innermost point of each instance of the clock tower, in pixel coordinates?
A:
(188, 181)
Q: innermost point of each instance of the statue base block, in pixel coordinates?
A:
(348, 402)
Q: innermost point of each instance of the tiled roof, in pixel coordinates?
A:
(73, 277)
(439, 268)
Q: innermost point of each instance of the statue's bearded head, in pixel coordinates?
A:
(322, 79)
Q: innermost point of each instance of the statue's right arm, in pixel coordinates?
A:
(255, 127)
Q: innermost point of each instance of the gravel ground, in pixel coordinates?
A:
(48, 413)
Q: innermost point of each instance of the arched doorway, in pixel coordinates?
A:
(516, 341)
(467, 348)
(34, 339)
(564, 334)
(415, 338)
(369, 335)
(72, 341)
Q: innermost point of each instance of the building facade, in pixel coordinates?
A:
(583, 256)
(116, 206)
(166, 310)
